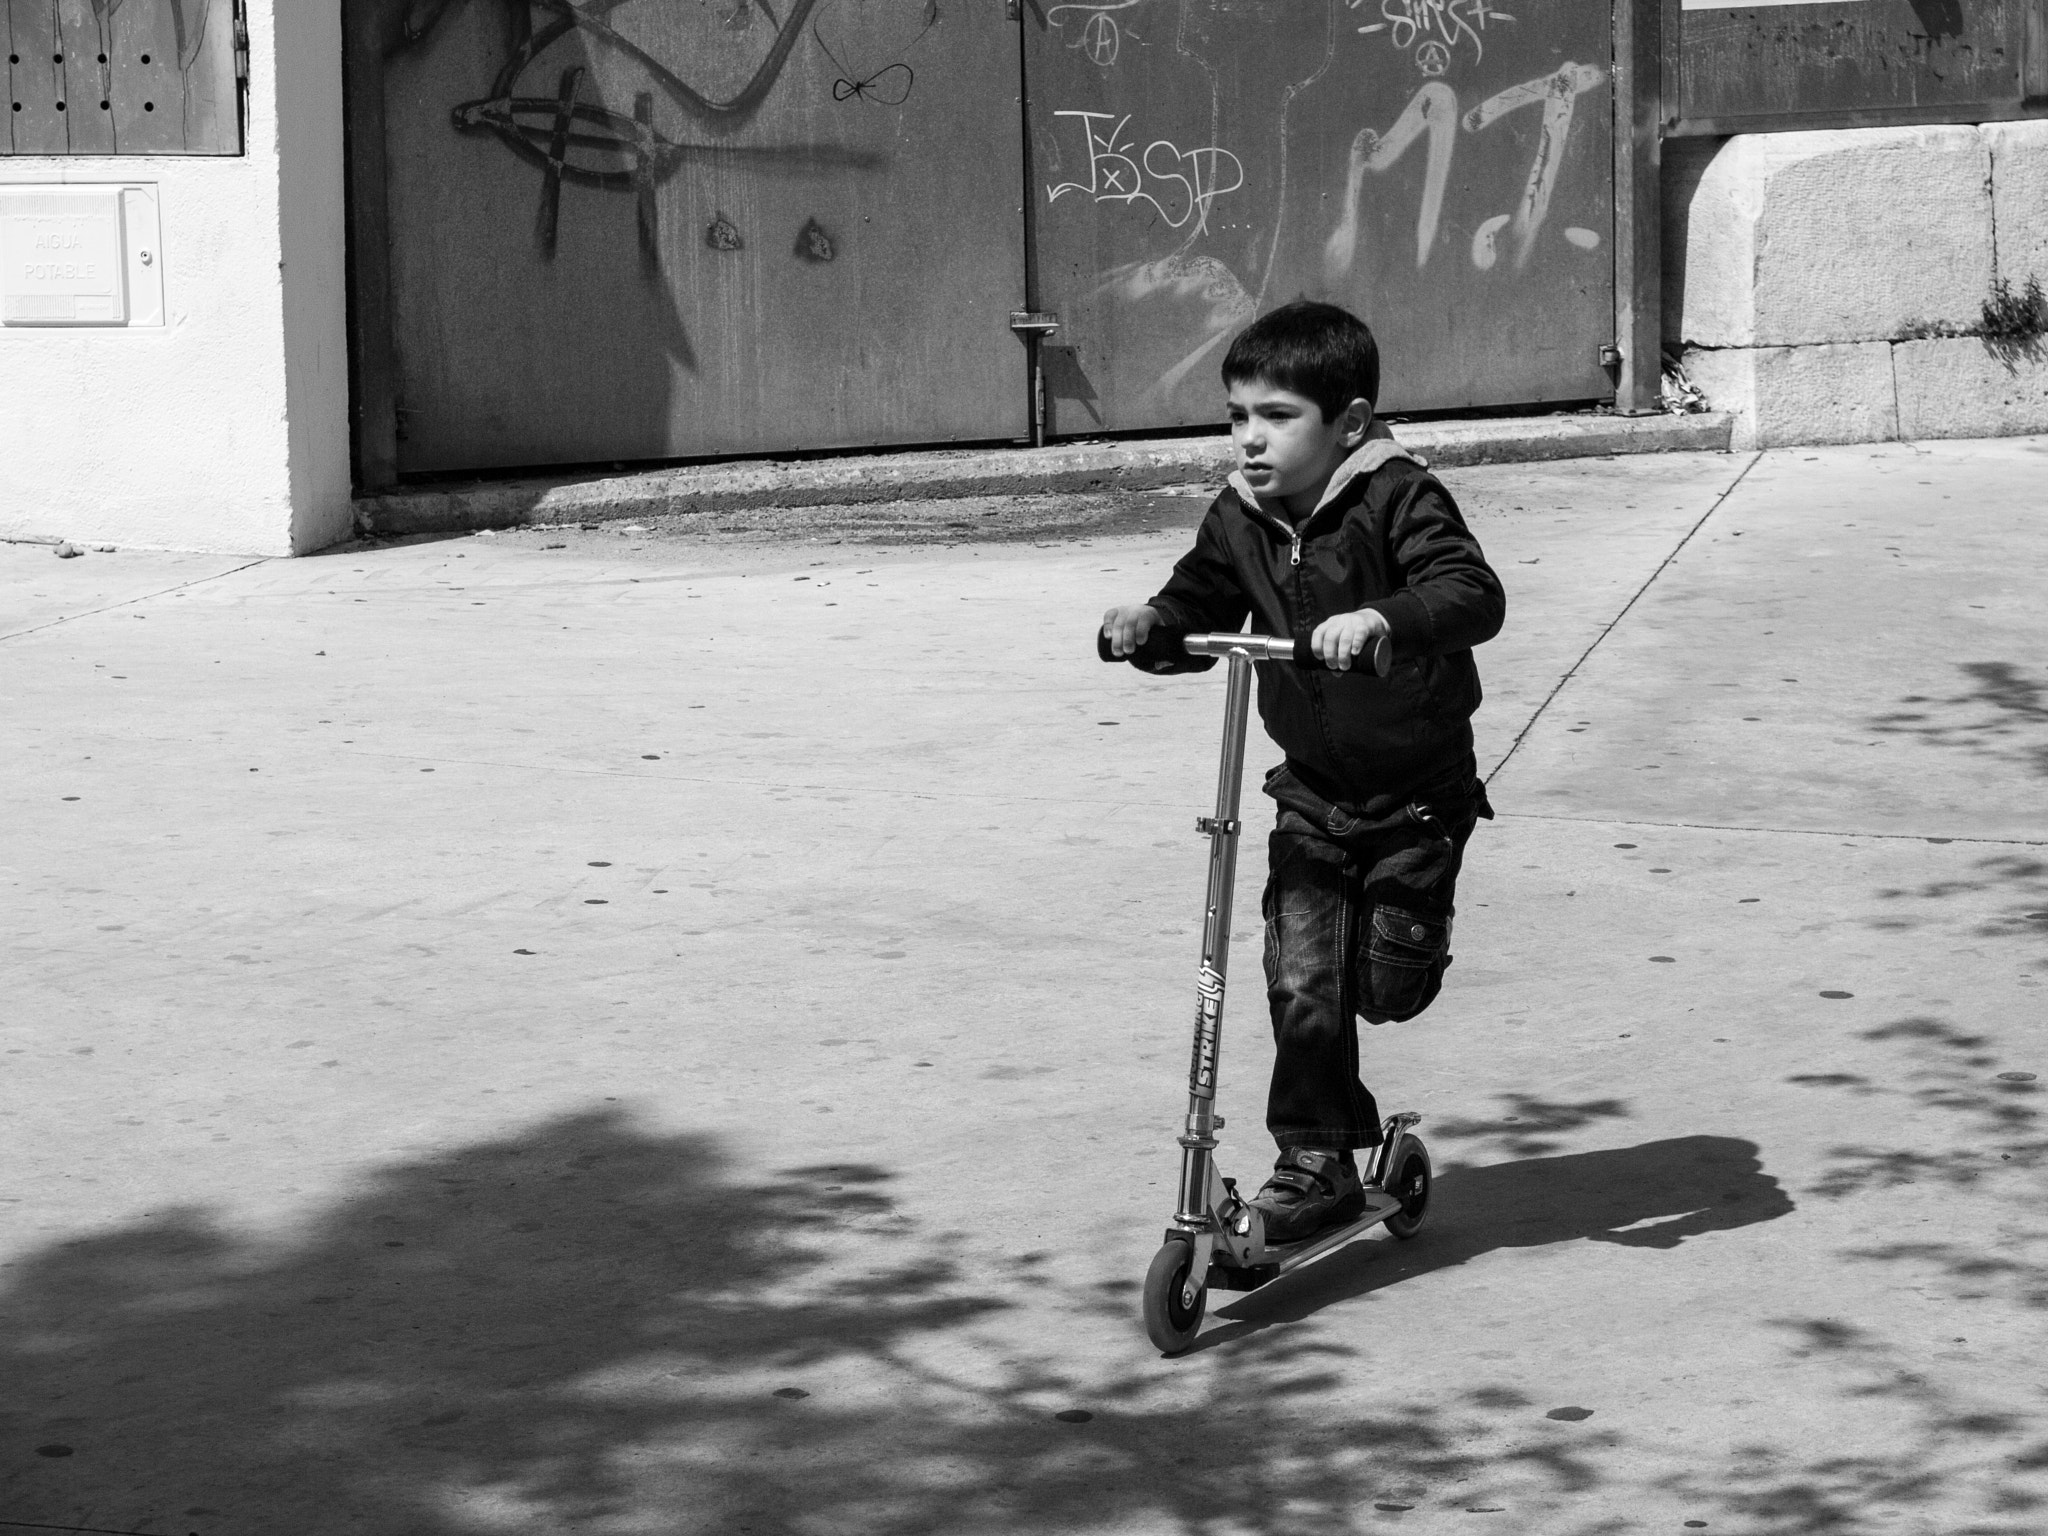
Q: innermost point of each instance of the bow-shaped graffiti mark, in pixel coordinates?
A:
(890, 85)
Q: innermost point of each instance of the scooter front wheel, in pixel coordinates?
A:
(1409, 1185)
(1171, 1320)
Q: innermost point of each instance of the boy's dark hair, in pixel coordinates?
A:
(1317, 350)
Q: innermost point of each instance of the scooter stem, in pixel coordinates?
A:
(1198, 1143)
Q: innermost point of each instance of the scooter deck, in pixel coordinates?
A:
(1285, 1258)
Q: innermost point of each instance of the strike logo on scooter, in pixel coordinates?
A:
(1208, 1020)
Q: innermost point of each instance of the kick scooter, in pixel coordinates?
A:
(1218, 1239)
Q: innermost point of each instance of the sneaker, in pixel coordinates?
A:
(1310, 1188)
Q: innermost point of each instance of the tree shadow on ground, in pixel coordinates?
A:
(473, 1336)
(1655, 1195)
(1991, 1127)
(2002, 715)
(1977, 1134)
(592, 1326)
(2020, 879)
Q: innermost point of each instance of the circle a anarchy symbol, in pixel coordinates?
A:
(1102, 39)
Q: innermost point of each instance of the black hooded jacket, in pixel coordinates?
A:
(1387, 536)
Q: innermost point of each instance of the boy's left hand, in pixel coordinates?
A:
(1337, 641)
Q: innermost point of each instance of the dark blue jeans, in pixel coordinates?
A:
(1358, 921)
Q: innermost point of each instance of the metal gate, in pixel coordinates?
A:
(1442, 167)
(595, 230)
(646, 229)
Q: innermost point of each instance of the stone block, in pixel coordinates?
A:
(1855, 235)
(1837, 392)
(1960, 387)
(2019, 198)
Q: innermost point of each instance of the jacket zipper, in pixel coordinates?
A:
(1293, 534)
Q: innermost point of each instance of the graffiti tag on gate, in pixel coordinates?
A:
(1180, 184)
(1432, 114)
(1100, 39)
(1435, 29)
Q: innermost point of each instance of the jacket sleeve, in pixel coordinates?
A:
(1203, 595)
(1448, 598)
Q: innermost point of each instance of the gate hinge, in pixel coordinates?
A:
(1610, 355)
(241, 45)
(1208, 826)
(1034, 322)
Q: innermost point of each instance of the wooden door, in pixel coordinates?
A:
(1441, 167)
(650, 229)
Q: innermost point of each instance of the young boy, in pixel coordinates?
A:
(1332, 533)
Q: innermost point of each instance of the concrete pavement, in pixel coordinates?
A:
(664, 1035)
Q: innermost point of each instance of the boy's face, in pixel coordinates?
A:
(1285, 450)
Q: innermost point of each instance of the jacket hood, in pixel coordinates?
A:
(1378, 448)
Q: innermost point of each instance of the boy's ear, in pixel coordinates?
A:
(1354, 421)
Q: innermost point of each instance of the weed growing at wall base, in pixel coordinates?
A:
(2011, 323)
(2015, 319)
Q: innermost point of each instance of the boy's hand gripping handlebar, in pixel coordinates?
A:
(1167, 644)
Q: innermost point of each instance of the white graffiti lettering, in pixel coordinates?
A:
(1433, 111)
(1559, 93)
(1114, 176)
(1435, 28)
(1485, 248)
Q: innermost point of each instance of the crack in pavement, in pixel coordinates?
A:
(130, 602)
(1662, 566)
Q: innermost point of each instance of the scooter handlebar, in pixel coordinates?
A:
(1166, 644)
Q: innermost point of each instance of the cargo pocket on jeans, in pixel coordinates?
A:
(1404, 962)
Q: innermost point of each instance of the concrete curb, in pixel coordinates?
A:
(949, 474)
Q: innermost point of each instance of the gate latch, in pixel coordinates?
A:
(1034, 322)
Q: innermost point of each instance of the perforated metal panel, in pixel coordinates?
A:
(122, 77)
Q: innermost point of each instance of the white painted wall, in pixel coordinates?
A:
(227, 427)
(1825, 287)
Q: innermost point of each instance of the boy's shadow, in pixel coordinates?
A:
(1652, 1196)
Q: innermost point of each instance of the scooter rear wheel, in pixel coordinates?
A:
(1170, 1321)
(1410, 1185)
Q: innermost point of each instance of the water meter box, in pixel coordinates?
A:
(79, 255)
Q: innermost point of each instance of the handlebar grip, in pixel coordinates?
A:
(1163, 644)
